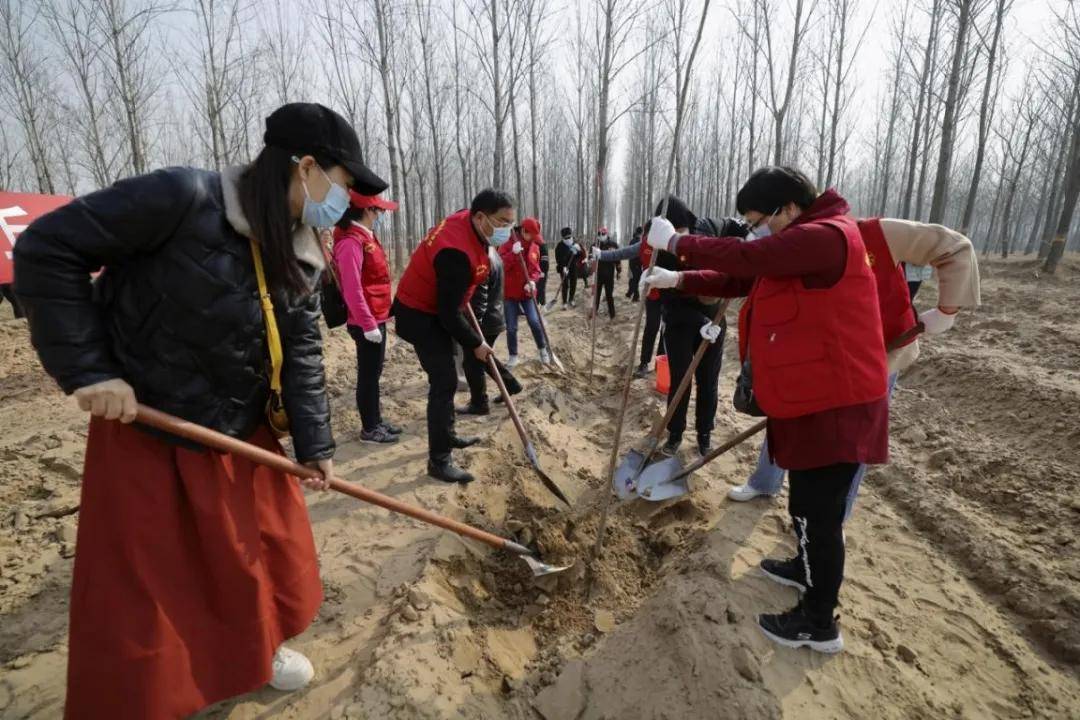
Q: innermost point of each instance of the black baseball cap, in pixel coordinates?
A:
(310, 128)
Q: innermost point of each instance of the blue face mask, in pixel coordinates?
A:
(326, 213)
(500, 235)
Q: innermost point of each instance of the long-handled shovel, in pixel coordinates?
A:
(224, 443)
(543, 325)
(667, 479)
(625, 479)
(593, 307)
(530, 451)
(562, 281)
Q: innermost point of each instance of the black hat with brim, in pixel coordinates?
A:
(310, 128)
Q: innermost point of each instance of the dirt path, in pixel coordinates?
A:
(961, 598)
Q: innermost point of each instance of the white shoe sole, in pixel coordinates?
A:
(829, 647)
(782, 580)
(743, 496)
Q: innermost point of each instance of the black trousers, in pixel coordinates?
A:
(435, 349)
(605, 285)
(541, 284)
(652, 329)
(681, 341)
(370, 358)
(476, 373)
(816, 500)
(913, 288)
(7, 292)
(569, 286)
(634, 288)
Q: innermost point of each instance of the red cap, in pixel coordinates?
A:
(370, 201)
(531, 225)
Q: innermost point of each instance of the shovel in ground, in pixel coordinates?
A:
(530, 450)
(626, 479)
(224, 443)
(543, 325)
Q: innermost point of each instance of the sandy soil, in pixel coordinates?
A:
(962, 597)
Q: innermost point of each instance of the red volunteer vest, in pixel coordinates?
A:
(417, 286)
(894, 299)
(514, 278)
(645, 254)
(816, 349)
(375, 278)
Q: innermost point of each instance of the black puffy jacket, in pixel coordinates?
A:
(176, 310)
(679, 308)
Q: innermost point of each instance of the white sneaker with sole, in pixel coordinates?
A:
(742, 493)
(512, 362)
(292, 670)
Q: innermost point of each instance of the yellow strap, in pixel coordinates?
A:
(273, 339)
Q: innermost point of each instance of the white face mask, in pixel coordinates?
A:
(762, 230)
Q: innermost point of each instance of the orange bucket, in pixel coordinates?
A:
(663, 375)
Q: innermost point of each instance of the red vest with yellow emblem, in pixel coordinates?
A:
(816, 349)
(417, 288)
(894, 298)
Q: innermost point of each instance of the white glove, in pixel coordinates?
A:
(576, 248)
(596, 252)
(936, 322)
(659, 278)
(373, 335)
(530, 289)
(660, 233)
(710, 331)
(516, 247)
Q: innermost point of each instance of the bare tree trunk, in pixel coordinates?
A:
(1072, 192)
(500, 114)
(986, 112)
(950, 121)
(923, 89)
(383, 55)
(423, 25)
(780, 105)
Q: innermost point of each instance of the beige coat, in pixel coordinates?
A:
(950, 254)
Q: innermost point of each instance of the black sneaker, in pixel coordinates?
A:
(390, 428)
(448, 472)
(786, 572)
(796, 629)
(378, 435)
(459, 443)
(671, 446)
(642, 371)
(704, 444)
(513, 385)
(473, 409)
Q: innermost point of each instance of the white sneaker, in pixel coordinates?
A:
(292, 670)
(512, 362)
(742, 493)
(545, 356)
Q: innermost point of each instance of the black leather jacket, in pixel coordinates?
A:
(679, 308)
(175, 311)
(487, 298)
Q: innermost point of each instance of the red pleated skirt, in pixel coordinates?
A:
(190, 569)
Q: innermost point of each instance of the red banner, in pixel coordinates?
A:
(17, 210)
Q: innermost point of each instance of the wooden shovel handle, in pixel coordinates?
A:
(684, 383)
(224, 443)
(494, 368)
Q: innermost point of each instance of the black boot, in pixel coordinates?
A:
(704, 443)
(672, 445)
(458, 443)
(473, 409)
(447, 471)
(642, 371)
(513, 385)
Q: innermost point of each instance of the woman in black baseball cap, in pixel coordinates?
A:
(192, 567)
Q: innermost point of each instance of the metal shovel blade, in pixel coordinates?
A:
(530, 453)
(626, 475)
(555, 359)
(656, 482)
(540, 569)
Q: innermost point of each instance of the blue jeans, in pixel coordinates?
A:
(768, 478)
(513, 309)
